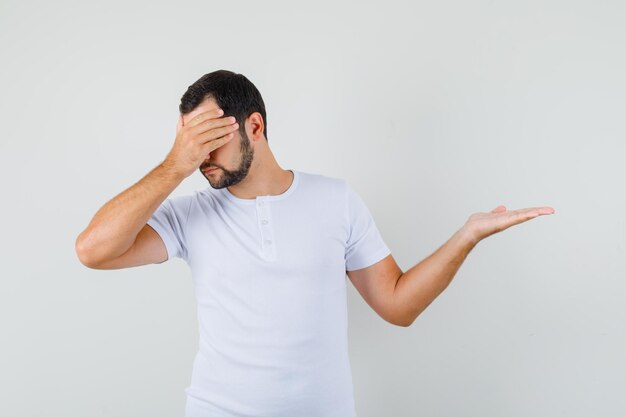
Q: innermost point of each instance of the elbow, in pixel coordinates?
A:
(404, 316)
(83, 254)
(402, 320)
(404, 323)
(82, 257)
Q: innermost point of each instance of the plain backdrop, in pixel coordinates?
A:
(431, 110)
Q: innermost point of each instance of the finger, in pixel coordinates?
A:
(536, 211)
(518, 216)
(522, 215)
(499, 209)
(217, 133)
(211, 114)
(213, 144)
(210, 124)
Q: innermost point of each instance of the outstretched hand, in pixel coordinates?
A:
(482, 225)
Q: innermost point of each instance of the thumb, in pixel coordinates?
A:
(499, 209)
(180, 123)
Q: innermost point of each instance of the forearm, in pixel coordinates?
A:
(114, 228)
(419, 286)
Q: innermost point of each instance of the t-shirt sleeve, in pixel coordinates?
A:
(169, 222)
(365, 245)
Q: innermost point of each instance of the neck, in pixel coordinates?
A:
(264, 178)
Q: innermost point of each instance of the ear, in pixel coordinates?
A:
(256, 124)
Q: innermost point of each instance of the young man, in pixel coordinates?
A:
(269, 250)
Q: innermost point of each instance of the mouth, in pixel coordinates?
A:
(210, 169)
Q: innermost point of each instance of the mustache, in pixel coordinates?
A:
(208, 167)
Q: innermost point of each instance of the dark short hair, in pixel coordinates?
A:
(232, 92)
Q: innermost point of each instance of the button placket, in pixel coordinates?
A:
(268, 245)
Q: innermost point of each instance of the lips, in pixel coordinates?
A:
(210, 169)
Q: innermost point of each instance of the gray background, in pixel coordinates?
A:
(431, 110)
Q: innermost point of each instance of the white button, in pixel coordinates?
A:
(269, 242)
(264, 221)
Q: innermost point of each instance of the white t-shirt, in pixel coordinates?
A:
(270, 283)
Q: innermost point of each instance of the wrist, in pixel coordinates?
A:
(468, 236)
(170, 169)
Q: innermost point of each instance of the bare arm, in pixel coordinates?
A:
(416, 288)
(114, 228)
(118, 235)
(419, 286)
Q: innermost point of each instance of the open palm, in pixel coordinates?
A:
(482, 225)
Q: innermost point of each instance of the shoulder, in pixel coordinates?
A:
(181, 201)
(325, 184)
(178, 205)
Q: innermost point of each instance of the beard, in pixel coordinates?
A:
(221, 178)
